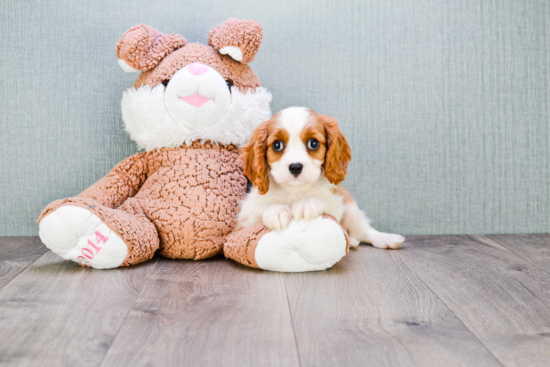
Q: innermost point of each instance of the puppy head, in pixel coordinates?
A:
(295, 147)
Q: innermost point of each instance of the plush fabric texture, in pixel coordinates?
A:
(245, 34)
(241, 245)
(241, 75)
(71, 230)
(151, 126)
(328, 216)
(128, 221)
(312, 245)
(142, 47)
(183, 201)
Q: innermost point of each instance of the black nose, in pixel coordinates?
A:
(296, 168)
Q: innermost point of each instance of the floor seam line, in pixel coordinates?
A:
(128, 313)
(292, 322)
(454, 313)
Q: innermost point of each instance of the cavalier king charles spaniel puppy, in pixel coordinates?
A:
(296, 161)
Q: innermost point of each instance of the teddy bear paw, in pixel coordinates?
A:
(77, 234)
(303, 246)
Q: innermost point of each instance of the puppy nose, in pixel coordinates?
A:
(197, 68)
(296, 168)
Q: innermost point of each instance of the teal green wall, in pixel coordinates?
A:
(445, 103)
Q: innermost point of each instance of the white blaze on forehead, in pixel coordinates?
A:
(293, 119)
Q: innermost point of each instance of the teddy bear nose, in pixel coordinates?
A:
(197, 68)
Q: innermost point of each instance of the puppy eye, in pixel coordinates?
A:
(229, 84)
(278, 146)
(313, 144)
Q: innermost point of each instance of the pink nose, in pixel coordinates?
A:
(197, 69)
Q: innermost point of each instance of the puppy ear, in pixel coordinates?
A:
(142, 47)
(239, 39)
(338, 151)
(254, 159)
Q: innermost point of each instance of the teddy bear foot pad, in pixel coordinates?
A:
(303, 246)
(78, 235)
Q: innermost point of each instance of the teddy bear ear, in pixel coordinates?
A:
(237, 38)
(142, 47)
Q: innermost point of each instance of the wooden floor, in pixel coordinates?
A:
(440, 301)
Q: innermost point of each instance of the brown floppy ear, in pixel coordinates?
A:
(338, 151)
(254, 159)
(142, 47)
(237, 38)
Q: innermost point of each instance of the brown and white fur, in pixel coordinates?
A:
(308, 188)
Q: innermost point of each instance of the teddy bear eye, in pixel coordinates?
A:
(313, 144)
(278, 146)
(165, 82)
(229, 84)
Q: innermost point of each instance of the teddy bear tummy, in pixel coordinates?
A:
(193, 198)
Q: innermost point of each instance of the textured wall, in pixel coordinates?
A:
(445, 103)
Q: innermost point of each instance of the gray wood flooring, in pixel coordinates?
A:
(439, 301)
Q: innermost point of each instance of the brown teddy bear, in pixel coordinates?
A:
(190, 109)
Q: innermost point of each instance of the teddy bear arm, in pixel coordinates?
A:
(303, 246)
(121, 183)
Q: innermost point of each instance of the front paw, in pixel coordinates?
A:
(354, 242)
(307, 209)
(387, 240)
(277, 217)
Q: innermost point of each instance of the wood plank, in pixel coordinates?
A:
(59, 313)
(370, 309)
(16, 253)
(532, 247)
(502, 298)
(208, 313)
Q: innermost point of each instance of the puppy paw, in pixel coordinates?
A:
(354, 242)
(386, 240)
(277, 217)
(307, 209)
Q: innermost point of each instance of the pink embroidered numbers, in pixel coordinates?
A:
(88, 251)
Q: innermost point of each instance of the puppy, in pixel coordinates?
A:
(296, 161)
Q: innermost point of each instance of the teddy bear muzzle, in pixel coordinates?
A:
(197, 94)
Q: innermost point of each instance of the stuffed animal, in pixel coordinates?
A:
(190, 109)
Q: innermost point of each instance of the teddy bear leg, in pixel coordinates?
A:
(97, 236)
(303, 246)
